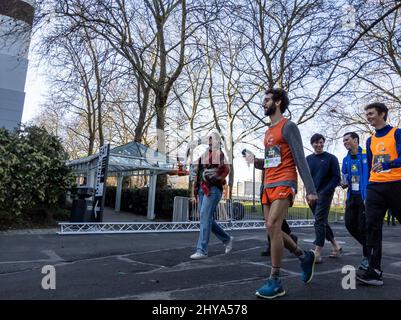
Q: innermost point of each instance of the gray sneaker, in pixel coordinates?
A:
(229, 245)
(198, 255)
(318, 259)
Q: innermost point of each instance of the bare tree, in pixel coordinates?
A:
(380, 80)
(82, 83)
(230, 87)
(151, 35)
(179, 64)
(291, 41)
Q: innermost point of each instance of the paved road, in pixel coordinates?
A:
(156, 266)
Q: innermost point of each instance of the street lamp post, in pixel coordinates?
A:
(253, 186)
(237, 188)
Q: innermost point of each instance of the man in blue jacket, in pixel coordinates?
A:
(355, 175)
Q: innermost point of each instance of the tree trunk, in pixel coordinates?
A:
(143, 108)
(160, 105)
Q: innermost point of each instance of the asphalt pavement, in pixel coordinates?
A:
(156, 266)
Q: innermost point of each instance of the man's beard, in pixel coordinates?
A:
(271, 110)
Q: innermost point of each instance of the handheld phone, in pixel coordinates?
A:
(245, 153)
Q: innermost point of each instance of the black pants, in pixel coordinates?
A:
(355, 220)
(390, 216)
(284, 227)
(321, 210)
(379, 198)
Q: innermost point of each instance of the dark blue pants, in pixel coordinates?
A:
(321, 210)
(355, 220)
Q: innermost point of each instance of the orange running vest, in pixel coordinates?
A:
(384, 150)
(275, 143)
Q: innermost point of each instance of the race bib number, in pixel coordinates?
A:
(380, 159)
(355, 183)
(272, 157)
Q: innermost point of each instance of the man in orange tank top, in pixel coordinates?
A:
(383, 191)
(283, 154)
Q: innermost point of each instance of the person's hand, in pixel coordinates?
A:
(250, 158)
(192, 144)
(311, 199)
(377, 167)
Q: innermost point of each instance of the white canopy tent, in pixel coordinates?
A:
(130, 159)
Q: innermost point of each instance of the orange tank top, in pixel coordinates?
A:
(384, 149)
(279, 164)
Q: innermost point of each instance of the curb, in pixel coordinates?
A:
(30, 231)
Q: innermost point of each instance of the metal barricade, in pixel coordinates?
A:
(186, 209)
(181, 209)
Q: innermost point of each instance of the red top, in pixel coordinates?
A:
(277, 149)
(211, 159)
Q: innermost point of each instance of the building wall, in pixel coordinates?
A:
(16, 18)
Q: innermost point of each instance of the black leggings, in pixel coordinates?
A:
(379, 198)
(284, 227)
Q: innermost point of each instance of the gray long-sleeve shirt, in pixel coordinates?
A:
(292, 136)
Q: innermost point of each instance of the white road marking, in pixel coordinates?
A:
(396, 264)
(53, 256)
(328, 242)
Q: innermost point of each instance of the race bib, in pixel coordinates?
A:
(355, 183)
(380, 159)
(272, 157)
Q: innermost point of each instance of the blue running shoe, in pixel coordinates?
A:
(308, 266)
(271, 289)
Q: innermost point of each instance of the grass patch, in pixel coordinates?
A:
(295, 212)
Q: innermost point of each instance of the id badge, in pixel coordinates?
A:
(355, 183)
(272, 157)
(380, 159)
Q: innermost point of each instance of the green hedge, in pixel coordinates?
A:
(32, 170)
(33, 175)
(136, 200)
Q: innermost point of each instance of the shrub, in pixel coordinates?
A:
(33, 175)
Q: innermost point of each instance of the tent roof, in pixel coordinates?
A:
(129, 157)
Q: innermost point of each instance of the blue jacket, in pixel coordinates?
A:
(346, 169)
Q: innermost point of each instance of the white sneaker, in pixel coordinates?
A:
(198, 255)
(229, 245)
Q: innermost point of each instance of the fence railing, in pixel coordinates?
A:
(186, 209)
